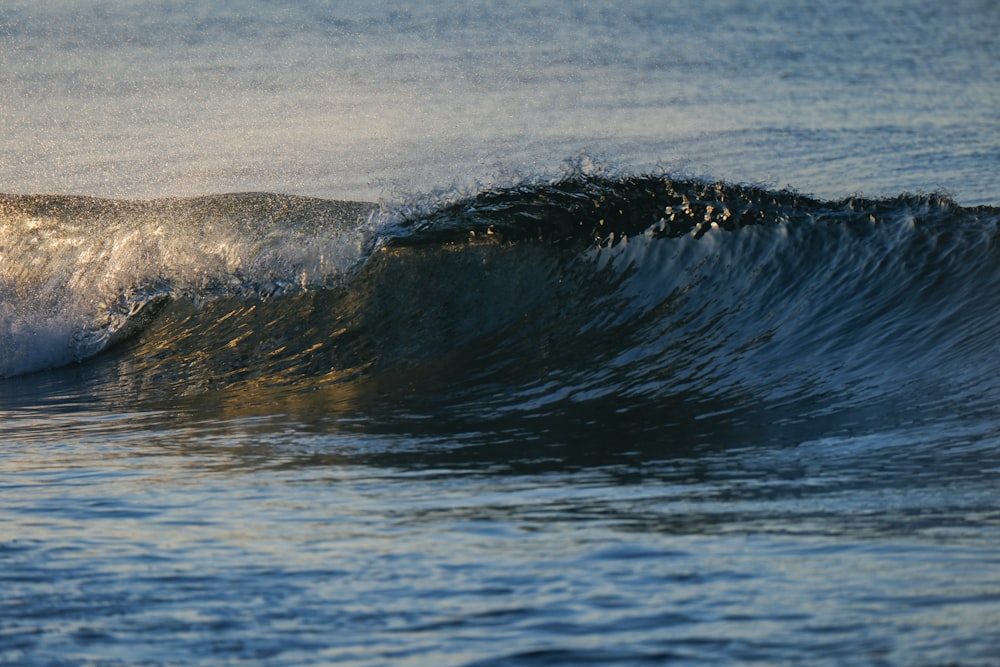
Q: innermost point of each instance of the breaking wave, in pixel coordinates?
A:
(679, 297)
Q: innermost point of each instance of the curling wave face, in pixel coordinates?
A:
(645, 295)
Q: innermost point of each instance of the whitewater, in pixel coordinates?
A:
(544, 333)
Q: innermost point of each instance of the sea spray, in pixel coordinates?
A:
(76, 272)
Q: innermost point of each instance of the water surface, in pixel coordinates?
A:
(478, 335)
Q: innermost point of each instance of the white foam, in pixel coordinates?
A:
(34, 342)
(74, 271)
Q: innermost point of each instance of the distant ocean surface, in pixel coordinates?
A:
(525, 333)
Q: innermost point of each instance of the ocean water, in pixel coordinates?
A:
(499, 334)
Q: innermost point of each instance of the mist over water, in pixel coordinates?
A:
(466, 334)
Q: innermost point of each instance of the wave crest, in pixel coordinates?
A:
(649, 293)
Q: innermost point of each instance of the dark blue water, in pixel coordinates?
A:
(585, 384)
